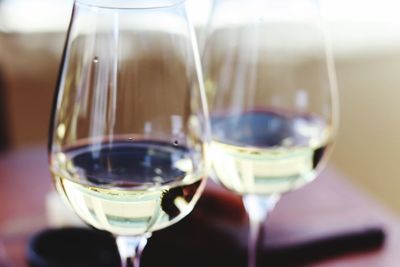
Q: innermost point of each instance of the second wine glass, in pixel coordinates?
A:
(273, 107)
(129, 119)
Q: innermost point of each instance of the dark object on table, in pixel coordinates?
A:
(328, 247)
(215, 235)
(73, 247)
(190, 244)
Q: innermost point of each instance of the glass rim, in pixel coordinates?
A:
(130, 4)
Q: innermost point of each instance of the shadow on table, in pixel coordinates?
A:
(214, 234)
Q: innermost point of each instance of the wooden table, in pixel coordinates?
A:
(327, 206)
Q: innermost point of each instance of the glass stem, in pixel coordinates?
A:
(257, 208)
(130, 249)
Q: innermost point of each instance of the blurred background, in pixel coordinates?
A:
(365, 36)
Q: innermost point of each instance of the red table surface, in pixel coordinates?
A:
(328, 205)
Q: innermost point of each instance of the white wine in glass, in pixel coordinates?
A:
(270, 82)
(129, 122)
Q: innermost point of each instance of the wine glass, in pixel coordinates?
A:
(129, 121)
(270, 81)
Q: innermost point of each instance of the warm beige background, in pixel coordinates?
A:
(367, 53)
(368, 145)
